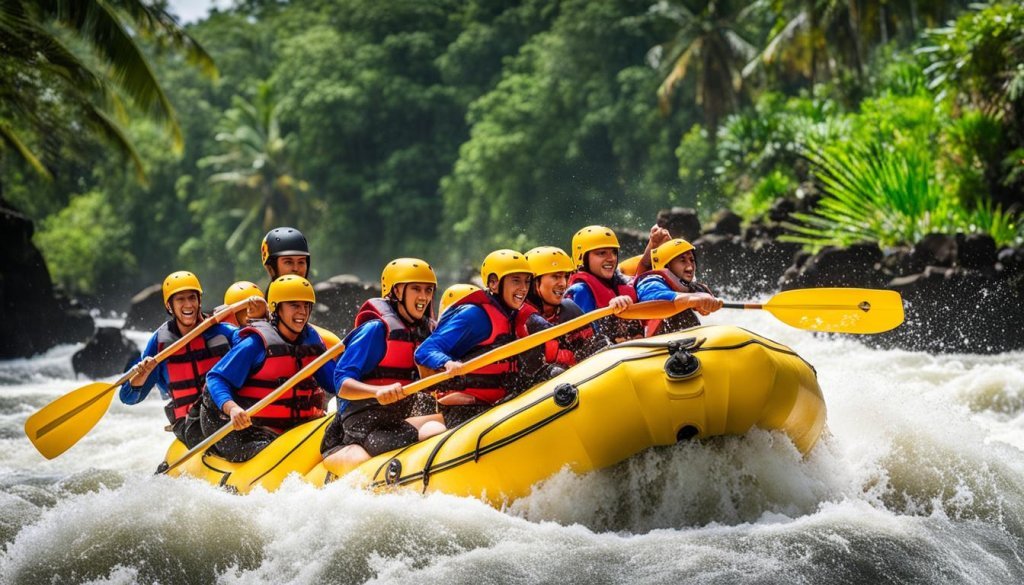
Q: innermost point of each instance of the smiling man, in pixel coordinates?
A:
(552, 268)
(480, 322)
(269, 353)
(182, 375)
(374, 416)
(675, 268)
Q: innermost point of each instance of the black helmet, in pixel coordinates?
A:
(283, 241)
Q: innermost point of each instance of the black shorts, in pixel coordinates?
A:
(377, 428)
(457, 414)
(237, 446)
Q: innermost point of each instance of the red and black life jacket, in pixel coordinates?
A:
(682, 320)
(398, 364)
(187, 368)
(604, 292)
(489, 384)
(560, 351)
(305, 401)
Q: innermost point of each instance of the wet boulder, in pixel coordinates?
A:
(932, 250)
(681, 222)
(631, 241)
(977, 252)
(855, 266)
(34, 316)
(106, 353)
(956, 310)
(338, 299)
(726, 223)
(146, 311)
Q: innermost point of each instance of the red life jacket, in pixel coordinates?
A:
(683, 320)
(557, 351)
(488, 383)
(603, 293)
(613, 327)
(187, 368)
(398, 364)
(305, 401)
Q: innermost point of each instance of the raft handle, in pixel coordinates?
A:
(681, 364)
(394, 472)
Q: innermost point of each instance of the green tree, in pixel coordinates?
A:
(256, 165)
(45, 82)
(711, 41)
(87, 246)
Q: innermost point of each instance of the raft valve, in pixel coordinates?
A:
(565, 394)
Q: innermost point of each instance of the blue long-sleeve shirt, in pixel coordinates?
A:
(653, 288)
(159, 377)
(247, 357)
(461, 329)
(580, 294)
(365, 347)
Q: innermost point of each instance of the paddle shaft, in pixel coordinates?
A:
(645, 310)
(299, 376)
(163, 355)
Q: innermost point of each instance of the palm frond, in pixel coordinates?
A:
(10, 138)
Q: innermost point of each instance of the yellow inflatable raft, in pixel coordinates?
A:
(703, 382)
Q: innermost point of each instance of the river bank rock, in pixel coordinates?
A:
(338, 300)
(146, 310)
(962, 294)
(33, 315)
(105, 354)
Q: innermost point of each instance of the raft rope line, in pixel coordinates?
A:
(429, 468)
(777, 347)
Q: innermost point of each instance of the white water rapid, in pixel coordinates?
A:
(918, 479)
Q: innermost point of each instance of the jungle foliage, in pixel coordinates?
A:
(444, 128)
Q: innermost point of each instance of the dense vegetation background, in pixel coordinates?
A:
(445, 128)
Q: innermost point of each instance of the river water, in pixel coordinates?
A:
(918, 479)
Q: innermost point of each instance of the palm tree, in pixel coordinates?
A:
(709, 42)
(811, 28)
(255, 160)
(47, 87)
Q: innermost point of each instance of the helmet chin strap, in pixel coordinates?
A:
(403, 310)
(277, 320)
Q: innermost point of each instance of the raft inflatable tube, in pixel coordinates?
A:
(702, 382)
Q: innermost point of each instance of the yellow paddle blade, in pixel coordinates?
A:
(61, 423)
(838, 310)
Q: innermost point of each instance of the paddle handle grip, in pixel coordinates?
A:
(299, 376)
(742, 306)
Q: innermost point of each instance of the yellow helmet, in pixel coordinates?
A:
(405, 270)
(289, 288)
(590, 238)
(501, 263)
(547, 259)
(240, 291)
(454, 294)
(630, 265)
(179, 281)
(664, 253)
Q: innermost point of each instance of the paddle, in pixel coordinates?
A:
(645, 310)
(299, 376)
(56, 427)
(834, 310)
